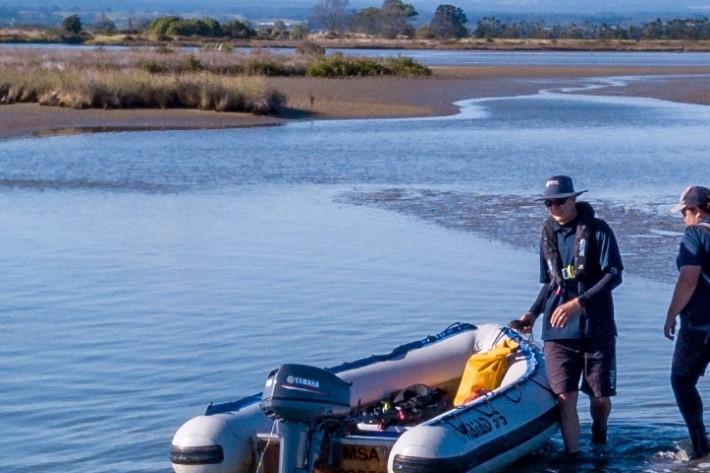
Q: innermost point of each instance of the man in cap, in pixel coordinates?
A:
(691, 300)
(580, 265)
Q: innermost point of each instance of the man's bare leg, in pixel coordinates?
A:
(599, 409)
(569, 421)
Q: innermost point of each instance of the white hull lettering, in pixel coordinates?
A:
(482, 426)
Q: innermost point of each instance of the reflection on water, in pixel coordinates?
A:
(147, 274)
(539, 58)
(119, 129)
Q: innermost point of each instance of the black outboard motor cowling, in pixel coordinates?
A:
(302, 393)
(299, 397)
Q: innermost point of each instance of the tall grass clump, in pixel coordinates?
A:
(130, 89)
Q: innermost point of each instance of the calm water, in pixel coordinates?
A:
(540, 58)
(480, 58)
(147, 274)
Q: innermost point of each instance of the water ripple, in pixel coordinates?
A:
(85, 184)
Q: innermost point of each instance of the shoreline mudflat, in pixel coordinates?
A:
(364, 97)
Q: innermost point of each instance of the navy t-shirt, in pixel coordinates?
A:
(603, 256)
(695, 251)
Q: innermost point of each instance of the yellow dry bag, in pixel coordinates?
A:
(484, 371)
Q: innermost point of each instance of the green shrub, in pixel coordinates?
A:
(310, 48)
(104, 25)
(257, 67)
(72, 24)
(238, 29)
(72, 38)
(340, 66)
(300, 31)
(407, 66)
(153, 67)
(164, 49)
(192, 64)
(159, 26)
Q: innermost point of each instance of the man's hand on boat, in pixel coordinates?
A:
(525, 323)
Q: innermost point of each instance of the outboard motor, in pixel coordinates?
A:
(299, 397)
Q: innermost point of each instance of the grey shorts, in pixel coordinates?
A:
(592, 360)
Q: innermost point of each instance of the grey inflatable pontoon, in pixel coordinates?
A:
(310, 419)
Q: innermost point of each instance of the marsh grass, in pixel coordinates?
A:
(167, 59)
(171, 60)
(171, 78)
(130, 89)
(134, 79)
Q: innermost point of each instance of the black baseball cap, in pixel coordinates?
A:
(693, 196)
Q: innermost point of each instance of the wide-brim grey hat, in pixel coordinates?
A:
(559, 187)
(693, 196)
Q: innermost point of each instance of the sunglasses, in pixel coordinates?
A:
(558, 202)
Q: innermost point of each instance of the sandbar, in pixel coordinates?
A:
(364, 97)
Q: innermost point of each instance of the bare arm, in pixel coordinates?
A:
(684, 288)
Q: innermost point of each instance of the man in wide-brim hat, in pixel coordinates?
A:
(580, 265)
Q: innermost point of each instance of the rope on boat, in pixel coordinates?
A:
(263, 452)
(520, 395)
(461, 427)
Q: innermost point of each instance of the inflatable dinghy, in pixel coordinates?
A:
(423, 408)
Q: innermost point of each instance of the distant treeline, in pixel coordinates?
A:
(393, 19)
(679, 29)
(448, 24)
(235, 29)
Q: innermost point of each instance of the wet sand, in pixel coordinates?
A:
(23, 120)
(364, 97)
(424, 96)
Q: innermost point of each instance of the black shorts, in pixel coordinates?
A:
(692, 353)
(592, 360)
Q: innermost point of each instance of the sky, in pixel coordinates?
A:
(547, 6)
(683, 7)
